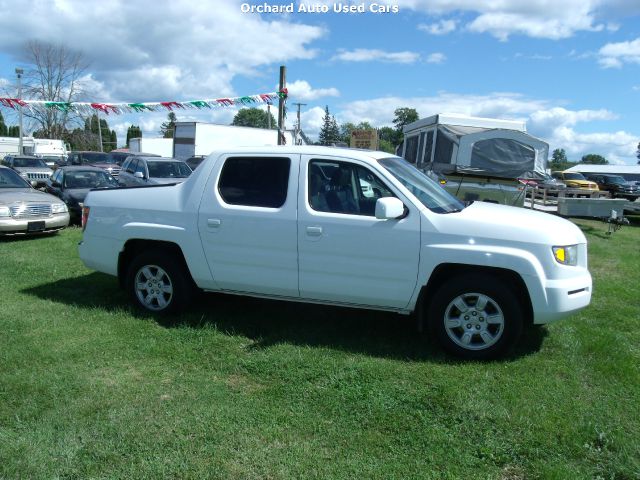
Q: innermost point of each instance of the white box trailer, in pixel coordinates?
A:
(480, 158)
(158, 146)
(40, 147)
(196, 138)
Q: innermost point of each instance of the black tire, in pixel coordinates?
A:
(169, 287)
(490, 326)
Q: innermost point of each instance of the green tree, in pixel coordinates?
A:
(594, 159)
(386, 146)
(3, 128)
(91, 127)
(329, 132)
(559, 156)
(345, 131)
(167, 128)
(133, 132)
(254, 117)
(638, 153)
(404, 116)
(13, 131)
(389, 135)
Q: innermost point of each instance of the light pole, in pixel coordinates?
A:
(19, 73)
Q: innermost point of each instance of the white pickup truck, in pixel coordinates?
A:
(341, 227)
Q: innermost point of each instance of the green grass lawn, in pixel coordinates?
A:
(247, 388)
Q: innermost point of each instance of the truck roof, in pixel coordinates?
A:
(364, 155)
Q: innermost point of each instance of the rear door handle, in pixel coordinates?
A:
(314, 231)
(214, 222)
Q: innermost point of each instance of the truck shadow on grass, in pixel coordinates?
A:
(272, 322)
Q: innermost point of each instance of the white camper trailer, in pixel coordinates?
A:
(40, 147)
(479, 158)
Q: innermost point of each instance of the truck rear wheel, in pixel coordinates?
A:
(159, 283)
(475, 317)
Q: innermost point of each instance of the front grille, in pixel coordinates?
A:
(114, 171)
(37, 176)
(30, 210)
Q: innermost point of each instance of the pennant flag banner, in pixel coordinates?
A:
(121, 108)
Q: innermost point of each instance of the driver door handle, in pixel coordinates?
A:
(314, 231)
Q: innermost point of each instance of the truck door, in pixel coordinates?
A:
(247, 224)
(346, 255)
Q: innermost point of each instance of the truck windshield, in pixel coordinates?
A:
(574, 176)
(615, 179)
(430, 194)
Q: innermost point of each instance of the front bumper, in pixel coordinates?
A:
(20, 226)
(563, 298)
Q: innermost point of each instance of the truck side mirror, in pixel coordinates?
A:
(139, 175)
(389, 208)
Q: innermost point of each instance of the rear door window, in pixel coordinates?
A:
(255, 181)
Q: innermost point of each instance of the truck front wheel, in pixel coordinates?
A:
(159, 283)
(475, 317)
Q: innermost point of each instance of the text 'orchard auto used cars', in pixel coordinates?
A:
(340, 227)
(24, 210)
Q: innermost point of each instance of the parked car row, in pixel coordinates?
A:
(26, 210)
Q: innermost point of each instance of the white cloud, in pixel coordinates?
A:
(636, 88)
(311, 121)
(179, 50)
(302, 90)
(503, 18)
(614, 55)
(369, 55)
(440, 28)
(545, 122)
(436, 58)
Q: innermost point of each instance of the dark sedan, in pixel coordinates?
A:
(72, 184)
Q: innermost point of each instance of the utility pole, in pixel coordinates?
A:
(99, 130)
(19, 72)
(298, 127)
(269, 115)
(283, 84)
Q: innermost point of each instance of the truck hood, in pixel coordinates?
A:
(9, 196)
(511, 224)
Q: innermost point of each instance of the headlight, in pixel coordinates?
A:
(4, 212)
(59, 208)
(567, 255)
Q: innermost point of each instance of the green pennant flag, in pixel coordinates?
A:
(200, 104)
(139, 107)
(62, 106)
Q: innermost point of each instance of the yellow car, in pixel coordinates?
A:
(575, 180)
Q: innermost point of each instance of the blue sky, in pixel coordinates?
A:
(570, 69)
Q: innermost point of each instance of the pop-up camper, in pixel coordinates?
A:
(480, 158)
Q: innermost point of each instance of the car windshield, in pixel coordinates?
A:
(23, 162)
(616, 179)
(430, 194)
(168, 169)
(574, 176)
(10, 179)
(118, 157)
(89, 179)
(97, 157)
